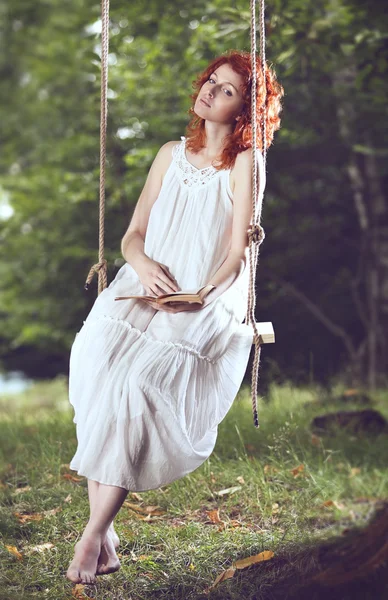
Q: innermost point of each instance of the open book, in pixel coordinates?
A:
(190, 296)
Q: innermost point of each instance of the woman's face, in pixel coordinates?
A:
(220, 98)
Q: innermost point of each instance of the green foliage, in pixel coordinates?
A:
(49, 164)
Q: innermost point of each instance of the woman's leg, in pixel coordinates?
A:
(106, 504)
(93, 491)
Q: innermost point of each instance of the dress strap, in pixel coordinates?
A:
(178, 149)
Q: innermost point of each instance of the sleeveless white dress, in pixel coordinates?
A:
(148, 387)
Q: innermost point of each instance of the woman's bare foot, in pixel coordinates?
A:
(83, 567)
(108, 561)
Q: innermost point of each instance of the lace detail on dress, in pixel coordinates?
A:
(189, 174)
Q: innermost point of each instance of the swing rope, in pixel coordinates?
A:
(101, 266)
(256, 232)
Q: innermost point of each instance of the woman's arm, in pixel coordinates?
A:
(132, 243)
(235, 263)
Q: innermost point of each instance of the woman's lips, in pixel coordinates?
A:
(204, 102)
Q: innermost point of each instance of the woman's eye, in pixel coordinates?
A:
(210, 79)
(229, 92)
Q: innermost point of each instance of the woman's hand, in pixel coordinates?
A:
(156, 278)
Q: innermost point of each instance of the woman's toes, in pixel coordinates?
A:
(83, 567)
(73, 574)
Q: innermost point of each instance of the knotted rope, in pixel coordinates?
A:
(256, 233)
(101, 266)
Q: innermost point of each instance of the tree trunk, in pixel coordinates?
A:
(371, 280)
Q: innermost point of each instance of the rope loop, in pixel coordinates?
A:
(103, 264)
(256, 234)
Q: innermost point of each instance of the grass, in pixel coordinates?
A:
(289, 492)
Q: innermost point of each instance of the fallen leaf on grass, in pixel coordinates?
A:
(52, 511)
(297, 470)
(39, 548)
(240, 479)
(222, 576)
(350, 392)
(212, 477)
(21, 490)
(243, 563)
(366, 499)
(136, 496)
(230, 490)
(270, 469)
(334, 503)
(354, 471)
(214, 515)
(78, 592)
(68, 498)
(25, 517)
(147, 510)
(252, 560)
(275, 508)
(150, 517)
(250, 447)
(71, 477)
(13, 550)
(234, 523)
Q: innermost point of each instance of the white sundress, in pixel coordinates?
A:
(148, 387)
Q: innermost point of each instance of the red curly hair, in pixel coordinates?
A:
(241, 137)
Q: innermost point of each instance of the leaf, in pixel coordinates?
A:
(78, 592)
(235, 523)
(13, 550)
(241, 564)
(275, 508)
(52, 511)
(351, 392)
(354, 471)
(223, 576)
(40, 547)
(71, 477)
(230, 490)
(21, 490)
(330, 503)
(148, 510)
(25, 517)
(240, 479)
(250, 447)
(270, 469)
(214, 515)
(252, 560)
(297, 470)
(136, 496)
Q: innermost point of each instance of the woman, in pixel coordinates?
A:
(150, 383)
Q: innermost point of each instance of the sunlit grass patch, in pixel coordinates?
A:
(281, 488)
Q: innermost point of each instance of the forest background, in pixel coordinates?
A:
(323, 268)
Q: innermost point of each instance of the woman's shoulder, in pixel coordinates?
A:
(244, 158)
(164, 155)
(168, 146)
